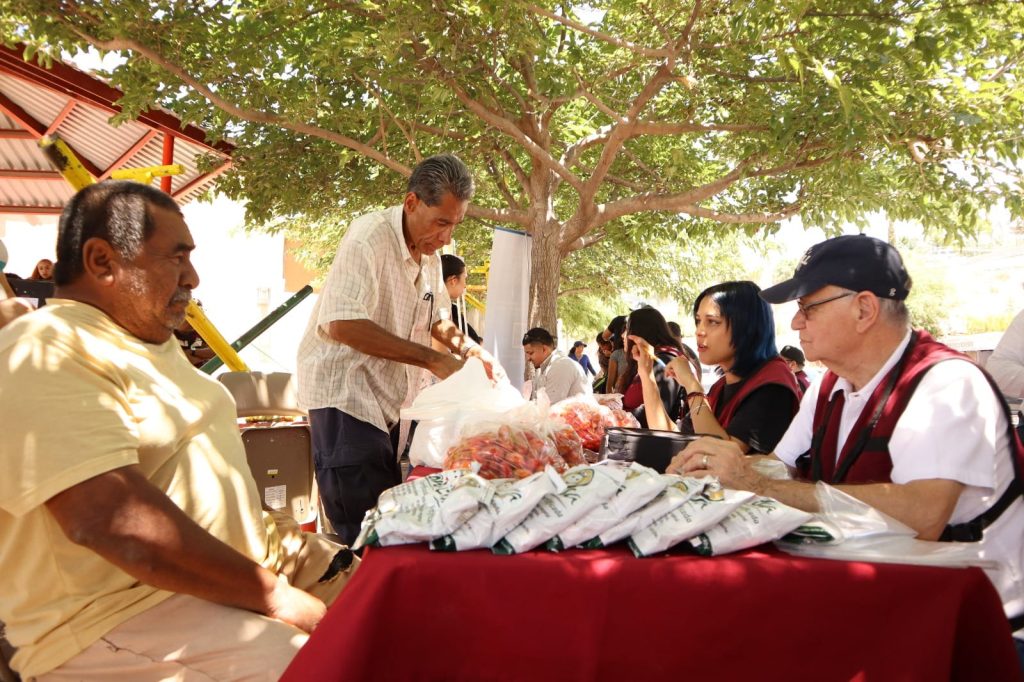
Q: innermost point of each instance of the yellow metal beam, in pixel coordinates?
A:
(65, 161)
(218, 344)
(475, 302)
(146, 175)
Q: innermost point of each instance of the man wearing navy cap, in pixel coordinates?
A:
(899, 421)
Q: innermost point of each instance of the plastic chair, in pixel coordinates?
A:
(280, 456)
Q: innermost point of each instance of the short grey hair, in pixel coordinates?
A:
(895, 311)
(439, 175)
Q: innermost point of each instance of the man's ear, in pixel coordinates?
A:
(868, 310)
(98, 260)
(411, 202)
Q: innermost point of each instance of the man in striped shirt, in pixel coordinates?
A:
(368, 338)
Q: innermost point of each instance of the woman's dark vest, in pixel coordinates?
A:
(774, 371)
(865, 457)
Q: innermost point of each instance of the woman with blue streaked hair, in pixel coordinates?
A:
(756, 397)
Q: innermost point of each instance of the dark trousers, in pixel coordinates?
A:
(355, 462)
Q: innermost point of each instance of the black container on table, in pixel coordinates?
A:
(650, 447)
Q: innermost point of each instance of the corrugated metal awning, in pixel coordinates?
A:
(76, 106)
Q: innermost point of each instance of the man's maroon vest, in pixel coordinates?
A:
(865, 456)
(774, 371)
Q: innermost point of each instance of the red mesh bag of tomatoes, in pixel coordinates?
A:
(589, 420)
(504, 451)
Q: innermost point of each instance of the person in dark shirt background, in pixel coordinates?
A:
(580, 356)
(794, 357)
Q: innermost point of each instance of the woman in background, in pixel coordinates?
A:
(453, 270)
(43, 271)
(649, 326)
(756, 397)
(618, 362)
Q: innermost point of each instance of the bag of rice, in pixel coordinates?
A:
(676, 490)
(587, 487)
(641, 486)
(512, 501)
(424, 509)
(690, 519)
(761, 520)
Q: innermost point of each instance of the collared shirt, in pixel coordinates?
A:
(561, 377)
(952, 428)
(374, 277)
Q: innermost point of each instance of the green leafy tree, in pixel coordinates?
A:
(618, 122)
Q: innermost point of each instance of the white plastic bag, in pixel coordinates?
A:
(690, 519)
(678, 489)
(512, 501)
(848, 529)
(587, 487)
(642, 485)
(759, 521)
(424, 509)
(443, 408)
(842, 517)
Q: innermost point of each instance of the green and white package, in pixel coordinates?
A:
(677, 489)
(587, 487)
(690, 519)
(761, 520)
(642, 485)
(424, 509)
(512, 501)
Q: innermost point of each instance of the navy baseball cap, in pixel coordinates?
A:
(856, 262)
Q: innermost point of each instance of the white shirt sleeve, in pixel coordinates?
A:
(949, 429)
(1006, 364)
(797, 439)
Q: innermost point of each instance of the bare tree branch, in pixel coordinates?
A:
(745, 218)
(586, 93)
(494, 215)
(254, 115)
(517, 170)
(629, 184)
(498, 120)
(441, 132)
(499, 181)
(676, 201)
(750, 79)
(694, 13)
(741, 43)
(1006, 66)
(409, 137)
(604, 37)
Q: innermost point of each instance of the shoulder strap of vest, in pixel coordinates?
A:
(843, 466)
(809, 463)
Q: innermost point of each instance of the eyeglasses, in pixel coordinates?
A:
(806, 308)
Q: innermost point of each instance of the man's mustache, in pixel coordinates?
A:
(181, 296)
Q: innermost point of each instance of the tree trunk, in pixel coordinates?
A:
(545, 277)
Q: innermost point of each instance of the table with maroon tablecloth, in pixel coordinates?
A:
(413, 614)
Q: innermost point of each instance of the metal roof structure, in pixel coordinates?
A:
(76, 106)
